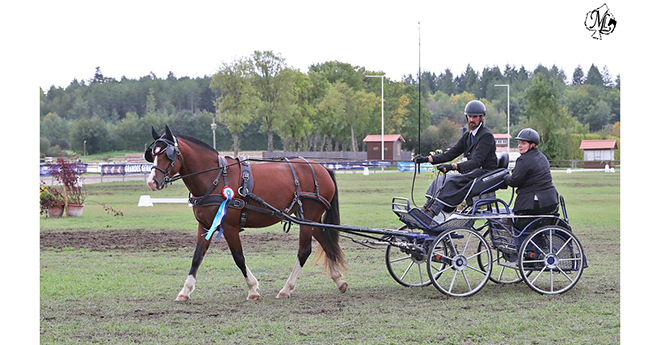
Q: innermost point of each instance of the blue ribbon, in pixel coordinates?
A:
(228, 193)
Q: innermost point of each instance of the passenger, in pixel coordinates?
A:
(535, 194)
(478, 146)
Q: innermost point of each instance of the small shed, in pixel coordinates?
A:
(501, 141)
(392, 145)
(598, 153)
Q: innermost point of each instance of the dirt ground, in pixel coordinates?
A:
(143, 240)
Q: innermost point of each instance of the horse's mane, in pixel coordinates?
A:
(197, 142)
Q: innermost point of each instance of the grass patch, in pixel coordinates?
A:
(125, 294)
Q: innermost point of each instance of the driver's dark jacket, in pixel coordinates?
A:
(479, 151)
(532, 177)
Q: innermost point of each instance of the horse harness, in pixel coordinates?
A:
(246, 195)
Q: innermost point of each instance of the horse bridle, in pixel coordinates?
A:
(171, 151)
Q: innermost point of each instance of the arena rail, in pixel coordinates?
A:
(148, 201)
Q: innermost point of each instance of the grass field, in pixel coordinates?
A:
(113, 279)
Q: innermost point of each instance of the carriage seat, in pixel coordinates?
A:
(486, 184)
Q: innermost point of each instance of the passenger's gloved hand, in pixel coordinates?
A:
(421, 159)
(447, 167)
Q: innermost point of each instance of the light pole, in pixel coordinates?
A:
(508, 113)
(382, 114)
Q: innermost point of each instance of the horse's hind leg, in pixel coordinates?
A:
(333, 262)
(200, 251)
(304, 250)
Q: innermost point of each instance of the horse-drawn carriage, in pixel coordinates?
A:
(484, 241)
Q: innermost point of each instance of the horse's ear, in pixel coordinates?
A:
(168, 133)
(154, 134)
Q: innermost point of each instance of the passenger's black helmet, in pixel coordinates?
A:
(474, 108)
(529, 135)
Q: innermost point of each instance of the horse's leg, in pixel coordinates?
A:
(332, 265)
(336, 275)
(200, 251)
(304, 250)
(234, 243)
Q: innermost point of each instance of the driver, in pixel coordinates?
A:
(478, 147)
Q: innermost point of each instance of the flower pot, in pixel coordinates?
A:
(74, 210)
(55, 211)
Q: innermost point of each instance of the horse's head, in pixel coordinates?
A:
(164, 154)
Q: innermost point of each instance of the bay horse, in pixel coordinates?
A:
(301, 186)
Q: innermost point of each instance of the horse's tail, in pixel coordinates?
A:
(330, 237)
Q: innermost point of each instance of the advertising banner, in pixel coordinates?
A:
(44, 169)
(125, 169)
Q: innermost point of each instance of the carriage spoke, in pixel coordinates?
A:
(476, 269)
(564, 246)
(453, 280)
(401, 259)
(467, 281)
(421, 276)
(565, 274)
(467, 243)
(539, 248)
(407, 270)
(538, 275)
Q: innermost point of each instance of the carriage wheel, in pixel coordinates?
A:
(453, 264)
(551, 260)
(406, 268)
(500, 274)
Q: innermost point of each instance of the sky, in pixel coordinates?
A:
(193, 38)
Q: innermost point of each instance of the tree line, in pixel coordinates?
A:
(260, 103)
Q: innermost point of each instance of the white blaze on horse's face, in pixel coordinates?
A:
(151, 180)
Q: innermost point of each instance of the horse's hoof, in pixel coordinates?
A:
(343, 287)
(252, 297)
(181, 298)
(282, 295)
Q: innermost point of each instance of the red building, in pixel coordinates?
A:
(392, 146)
(598, 153)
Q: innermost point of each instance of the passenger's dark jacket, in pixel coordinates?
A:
(532, 177)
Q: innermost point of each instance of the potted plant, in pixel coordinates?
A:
(66, 171)
(52, 201)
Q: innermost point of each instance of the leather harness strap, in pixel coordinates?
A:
(245, 192)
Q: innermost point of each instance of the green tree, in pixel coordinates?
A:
(468, 81)
(547, 116)
(594, 77)
(441, 136)
(91, 134)
(446, 83)
(578, 76)
(293, 126)
(335, 71)
(238, 100)
(56, 130)
(331, 115)
(274, 89)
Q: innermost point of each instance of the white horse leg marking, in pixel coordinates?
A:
(290, 284)
(335, 274)
(253, 286)
(188, 287)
